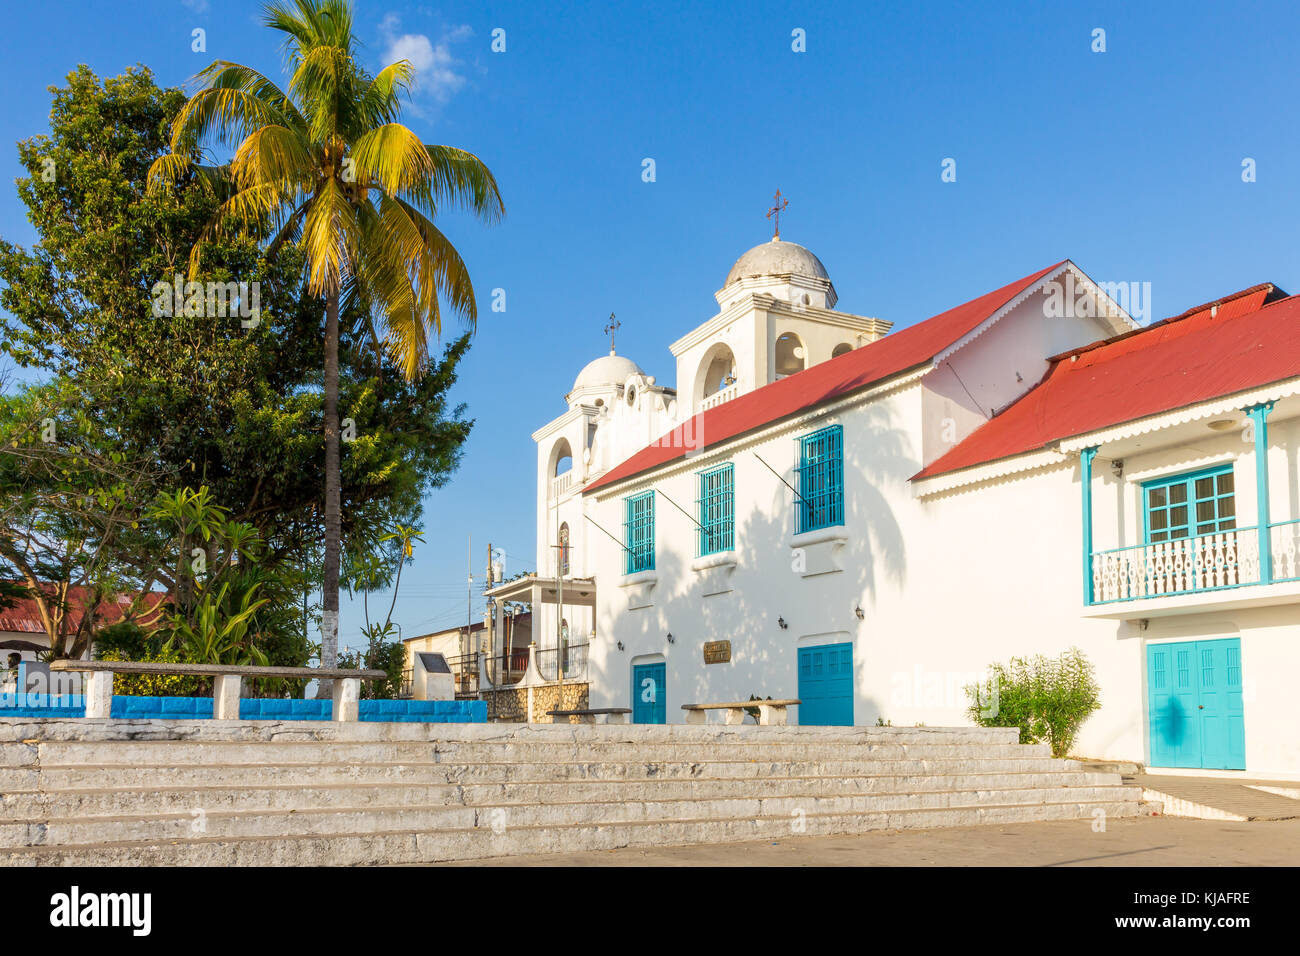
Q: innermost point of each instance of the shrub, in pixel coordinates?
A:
(155, 685)
(1047, 698)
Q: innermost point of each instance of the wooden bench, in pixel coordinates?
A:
(613, 715)
(227, 688)
(770, 712)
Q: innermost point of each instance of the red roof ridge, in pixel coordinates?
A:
(1269, 298)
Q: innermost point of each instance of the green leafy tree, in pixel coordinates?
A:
(327, 168)
(130, 404)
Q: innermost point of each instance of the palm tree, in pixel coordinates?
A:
(328, 167)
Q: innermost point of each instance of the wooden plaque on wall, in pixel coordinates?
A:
(717, 652)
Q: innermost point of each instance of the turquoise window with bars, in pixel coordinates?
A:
(1189, 505)
(821, 480)
(717, 507)
(639, 532)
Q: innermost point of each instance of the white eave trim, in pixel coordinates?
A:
(1122, 321)
(992, 471)
(732, 446)
(1067, 450)
(1215, 408)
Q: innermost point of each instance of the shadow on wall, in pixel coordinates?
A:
(767, 585)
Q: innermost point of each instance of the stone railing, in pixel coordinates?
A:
(227, 685)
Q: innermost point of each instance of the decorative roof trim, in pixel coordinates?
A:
(1081, 278)
(1182, 416)
(730, 447)
(993, 471)
(1067, 449)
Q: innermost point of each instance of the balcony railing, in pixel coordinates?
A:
(561, 483)
(1205, 562)
(573, 659)
(720, 396)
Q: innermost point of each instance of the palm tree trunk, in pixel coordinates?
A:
(333, 528)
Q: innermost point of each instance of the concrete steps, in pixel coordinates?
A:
(236, 793)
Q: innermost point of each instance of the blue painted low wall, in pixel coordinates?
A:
(250, 708)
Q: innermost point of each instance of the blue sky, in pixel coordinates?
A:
(1127, 161)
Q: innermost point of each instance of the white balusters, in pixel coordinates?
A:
(1206, 562)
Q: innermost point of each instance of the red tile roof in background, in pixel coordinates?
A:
(874, 362)
(25, 618)
(1242, 341)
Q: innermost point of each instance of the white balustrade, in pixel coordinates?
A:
(1284, 540)
(561, 483)
(1182, 566)
(720, 396)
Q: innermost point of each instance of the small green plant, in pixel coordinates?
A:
(1047, 698)
(881, 722)
(218, 635)
(753, 711)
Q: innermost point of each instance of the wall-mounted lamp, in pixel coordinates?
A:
(780, 622)
(620, 645)
(859, 612)
(671, 639)
(1117, 467)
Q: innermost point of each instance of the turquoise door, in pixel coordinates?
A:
(1194, 706)
(826, 685)
(649, 694)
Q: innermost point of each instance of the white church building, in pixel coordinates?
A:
(865, 520)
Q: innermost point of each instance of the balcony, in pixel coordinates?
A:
(1202, 572)
(720, 396)
(561, 484)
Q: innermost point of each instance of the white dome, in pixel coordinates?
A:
(777, 258)
(605, 371)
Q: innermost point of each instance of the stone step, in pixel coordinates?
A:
(171, 753)
(316, 821)
(49, 730)
(422, 846)
(127, 801)
(53, 777)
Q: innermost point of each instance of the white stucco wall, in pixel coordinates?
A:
(948, 584)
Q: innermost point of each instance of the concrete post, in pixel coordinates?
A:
(347, 699)
(99, 694)
(226, 691)
(771, 716)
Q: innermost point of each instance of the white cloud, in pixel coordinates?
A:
(196, 6)
(437, 72)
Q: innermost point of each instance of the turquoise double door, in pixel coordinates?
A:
(826, 685)
(1194, 706)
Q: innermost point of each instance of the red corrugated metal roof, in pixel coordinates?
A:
(25, 618)
(1240, 342)
(872, 363)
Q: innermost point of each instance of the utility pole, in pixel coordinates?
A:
(559, 609)
(469, 606)
(492, 618)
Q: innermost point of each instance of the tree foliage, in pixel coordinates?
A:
(122, 405)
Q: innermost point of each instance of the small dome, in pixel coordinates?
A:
(777, 258)
(605, 371)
